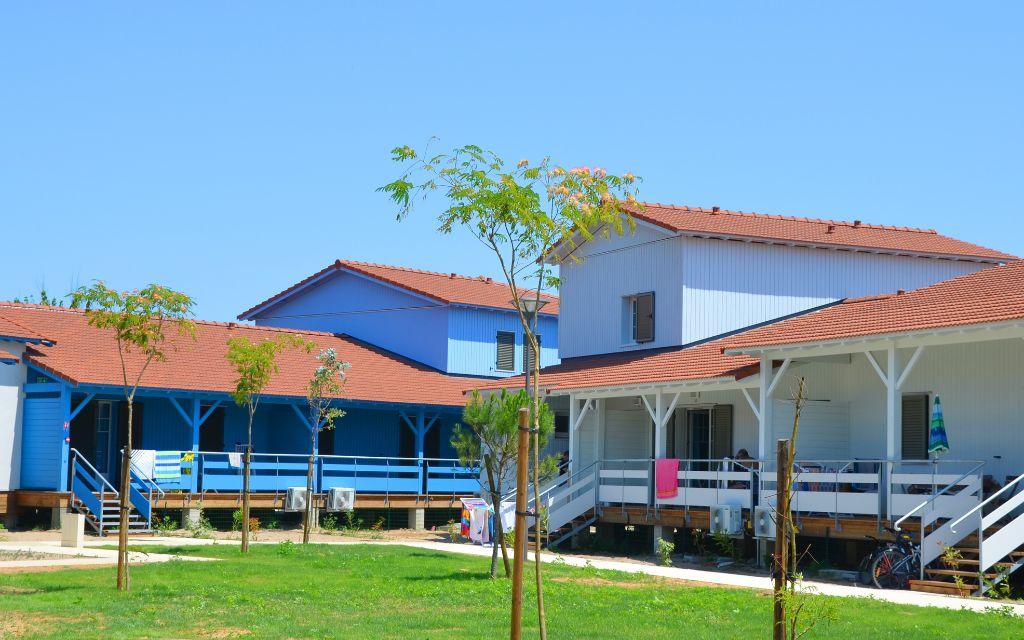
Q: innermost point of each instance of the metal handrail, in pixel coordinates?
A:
(995, 495)
(970, 472)
(146, 478)
(81, 458)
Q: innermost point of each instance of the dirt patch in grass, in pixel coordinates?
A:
(7, 555)
(51, 567)
(640, 584)
(16, 624)
(219, 632)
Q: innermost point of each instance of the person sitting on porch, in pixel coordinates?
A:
(742, 462)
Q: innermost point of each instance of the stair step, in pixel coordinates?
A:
(958, 572)
(946, 588)
(975, 562)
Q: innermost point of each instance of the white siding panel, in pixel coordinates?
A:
(730, 285)
(592, 295)
(627, 434)
(824, 432)
(11, 379)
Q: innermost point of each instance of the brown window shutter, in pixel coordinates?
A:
(643, 319)
(915, 427)
(506, 357)
(721, 434)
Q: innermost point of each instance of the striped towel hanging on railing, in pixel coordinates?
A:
(167, 466)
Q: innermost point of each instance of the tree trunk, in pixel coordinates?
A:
(307, 517)
(541, 615)
(124, 504)
(498, 527)
(246, 465)
(522, 460)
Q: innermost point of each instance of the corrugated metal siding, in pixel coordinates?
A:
(592, 292)
(41, 443)
(381, 315)
(731, 285)
(472, 347)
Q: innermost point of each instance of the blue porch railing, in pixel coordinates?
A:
(275, 472)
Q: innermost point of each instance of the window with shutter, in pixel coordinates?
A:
(643, 317)
(506, 351)
(915, 427)
(721, 435)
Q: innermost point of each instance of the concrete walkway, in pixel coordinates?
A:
(912, 598)
(71, 557)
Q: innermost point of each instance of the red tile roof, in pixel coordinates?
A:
(448, 288)
(86, 355)
(650, 366)
(12, 330)
(8, 357)
(992, 295)
(721, 223)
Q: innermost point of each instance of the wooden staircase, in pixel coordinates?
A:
(977, 551)
(95, 498)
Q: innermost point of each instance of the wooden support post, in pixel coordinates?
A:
(520, 551)
(783, 482)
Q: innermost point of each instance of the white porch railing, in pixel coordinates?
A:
(883, 489)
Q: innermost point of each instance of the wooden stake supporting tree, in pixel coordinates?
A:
(139, 321)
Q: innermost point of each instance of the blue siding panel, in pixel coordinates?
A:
(371, 311)
(163, 428)
(41, 442)
(472, 340)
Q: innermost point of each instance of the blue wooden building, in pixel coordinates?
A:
(457, 324)
(64, 420)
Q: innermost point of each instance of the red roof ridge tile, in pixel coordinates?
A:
(210, 323)
(775, 216)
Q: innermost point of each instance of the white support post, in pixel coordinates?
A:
(764, 423)
(659, 426)
(574, 413)
(892, 404)
(599, 429)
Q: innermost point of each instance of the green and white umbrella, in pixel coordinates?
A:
(937, 441)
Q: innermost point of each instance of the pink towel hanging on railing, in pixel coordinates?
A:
(666, 477)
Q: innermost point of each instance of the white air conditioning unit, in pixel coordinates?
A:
(764, 522)
(341, 499)
(727, 518)
(295, 499)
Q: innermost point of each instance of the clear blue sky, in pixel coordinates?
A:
(230, 149)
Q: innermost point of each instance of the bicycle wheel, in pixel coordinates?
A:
(890, 569)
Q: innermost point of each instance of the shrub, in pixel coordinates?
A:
(664, 550)
(329, 523)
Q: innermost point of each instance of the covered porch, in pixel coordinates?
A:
(188, 443)
(862, 444)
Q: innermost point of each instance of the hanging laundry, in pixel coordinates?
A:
(144, 462)
(235, 460)
(167, 466)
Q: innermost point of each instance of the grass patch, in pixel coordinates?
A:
(365, 591)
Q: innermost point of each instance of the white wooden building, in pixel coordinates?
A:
(685, 341)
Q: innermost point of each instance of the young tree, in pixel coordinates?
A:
(527, 215)
(323, 389)
(256, 365)
(139, 321)
(491, 439)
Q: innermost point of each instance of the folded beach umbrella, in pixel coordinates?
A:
(937, 441)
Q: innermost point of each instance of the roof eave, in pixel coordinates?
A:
(765, 349)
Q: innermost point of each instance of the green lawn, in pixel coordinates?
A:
(398, 592)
